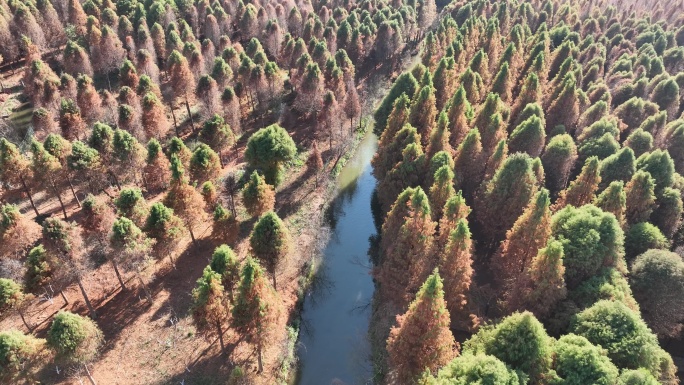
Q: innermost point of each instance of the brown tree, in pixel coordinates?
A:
(256, 309)
(154, 120)
(47, 172)
(640, 197)
(157, 172)
(421, 339)
(352, 105)
(182, 80)
(583, 189)
(407, 260)
(185, 201)
(15, 169)
(546, 282)
(88, 100)
(456, 263)
(17, 232)
(210, 308)
(64, 241)
(529, 234)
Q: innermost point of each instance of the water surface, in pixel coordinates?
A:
(333, 345)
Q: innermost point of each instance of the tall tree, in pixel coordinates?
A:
(421, 339)
(441, 190)
(268, 149)
(258, 196)
(47, 171)
(15, 169)
(64, 241)
(528, 235)
(154, 120)
(204, 164)
(506, 195)
(546, 278)
(17, 232)
(131, 249)
(468, 164)
(583, 189)
(456, 263)
(75, 339)
(185, 201)
(613, 200)
(657, 278)
(20, 355)
(270, 242)
(661, 167)
(529, 136)
(182, 80)
(591, 239)
(210, 307)
(157, 171)
(218, 135)
(408, 259)
(165, 228)
(640, 197)
(454, 210)
(225, 263)
(559, 159)
(256, 309)
(617, 167)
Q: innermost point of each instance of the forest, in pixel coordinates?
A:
(530, 198)
(166, 165)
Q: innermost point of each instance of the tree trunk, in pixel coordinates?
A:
(274, 281)
(192, 235)
(144, 286)
(118, 275)
(28, 193)
(21, 315)
(232, 206)
(64, 297)
(90, 376)
(59, 198)
(220, 336)
(187, 107)
(260, 360)
(116, 180)
(71, 186)
(93, 314)
(175, 125)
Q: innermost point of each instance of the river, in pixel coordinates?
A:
(333, 345)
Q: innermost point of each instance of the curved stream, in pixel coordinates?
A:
(333, 345)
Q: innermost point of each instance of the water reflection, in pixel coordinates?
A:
(333, 346)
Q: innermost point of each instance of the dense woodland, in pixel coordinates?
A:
(530, 194)
(166, 129)
(529, 169)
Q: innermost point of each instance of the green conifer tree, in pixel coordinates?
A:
(613, 200)
(270, 242)
(506, 195)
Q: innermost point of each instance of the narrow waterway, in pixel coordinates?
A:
(333, 346)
